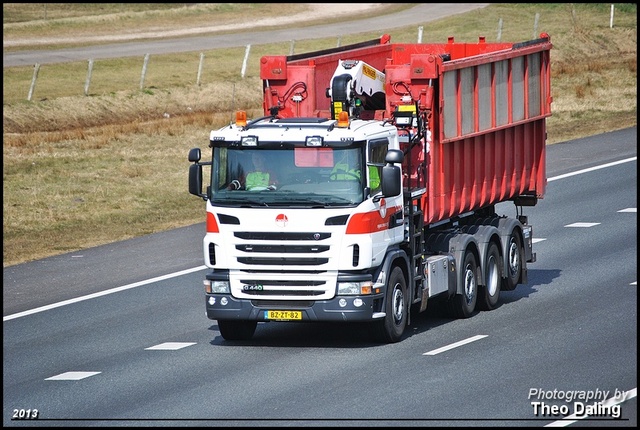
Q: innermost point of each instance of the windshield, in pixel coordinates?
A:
(298, 176)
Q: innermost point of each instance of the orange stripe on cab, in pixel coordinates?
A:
(212, 225)
(369, 222)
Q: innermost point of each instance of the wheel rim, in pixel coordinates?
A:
(398, 303)
(514, 258)
(469, 284)
(493, 277)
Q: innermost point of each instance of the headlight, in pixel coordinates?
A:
(219, 287)
(354, 288)
(249, 140)
(314, 141)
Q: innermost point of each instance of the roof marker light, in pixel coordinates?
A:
(241, 118)
(343, 119)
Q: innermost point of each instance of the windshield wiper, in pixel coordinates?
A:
(239, 202)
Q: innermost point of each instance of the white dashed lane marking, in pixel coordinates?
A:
(582, 224)
(72, 376)
(170, 346)
(455, 345)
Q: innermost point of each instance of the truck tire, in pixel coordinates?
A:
(463, 305)
(237, 330)
(391, 328)
(490, 293)
(514, 265)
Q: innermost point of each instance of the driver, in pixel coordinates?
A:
(346, 170)
(260, 178)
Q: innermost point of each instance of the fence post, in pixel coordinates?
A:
(36, 69)
(200, 68)
(88, 81)
(420, 30)
(291, 47)
(144, 70)
(244, 62)
(499, 30)
(535, 26)
(611, 19)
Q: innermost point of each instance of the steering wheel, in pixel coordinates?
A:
(340, 171)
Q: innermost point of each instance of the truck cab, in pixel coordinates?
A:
(310, 246)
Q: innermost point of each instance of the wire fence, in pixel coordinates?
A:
(198, 67)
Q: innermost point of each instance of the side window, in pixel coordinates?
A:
(219, 177)
(236, 163)
(377, 151)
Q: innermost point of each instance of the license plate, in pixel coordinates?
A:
(283, 315)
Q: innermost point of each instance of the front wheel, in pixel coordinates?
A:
(237, 330)
(391, 328)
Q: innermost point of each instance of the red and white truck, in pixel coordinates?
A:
(390, 160)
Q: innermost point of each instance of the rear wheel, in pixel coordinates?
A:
(391, 328)
(237, 330)
(490, 293)
(463, 305)
(514, 266)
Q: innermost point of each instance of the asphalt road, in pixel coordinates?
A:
(420, 14)
(147, 356)
(114, 265)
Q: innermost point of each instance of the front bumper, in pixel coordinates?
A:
(341, 309)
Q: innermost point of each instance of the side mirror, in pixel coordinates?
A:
(194, 155)
(195, 180)
(394, 156)
(391, 181)
(391, 173)
(195, 173)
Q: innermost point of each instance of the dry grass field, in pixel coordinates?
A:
(84, 170)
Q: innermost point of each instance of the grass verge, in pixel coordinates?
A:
(80, 171)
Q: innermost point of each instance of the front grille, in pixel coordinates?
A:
(283, 249)
(268, 283)
(283, 261)
(281, 286)
(267, 235)
(266, 258)
(266, 293)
